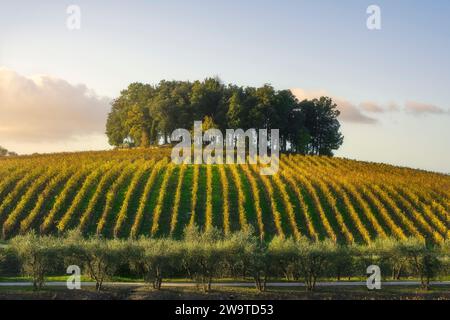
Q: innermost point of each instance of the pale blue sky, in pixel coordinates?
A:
(313, 45)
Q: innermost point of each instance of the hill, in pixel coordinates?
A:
(140, 192)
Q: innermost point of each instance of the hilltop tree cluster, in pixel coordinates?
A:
(145, 115)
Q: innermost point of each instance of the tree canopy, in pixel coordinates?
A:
(145, 115)
(4, 152)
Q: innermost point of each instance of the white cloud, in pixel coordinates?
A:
(42, 109)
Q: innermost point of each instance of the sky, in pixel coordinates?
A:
(391, 85)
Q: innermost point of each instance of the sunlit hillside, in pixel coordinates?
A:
(140, 192)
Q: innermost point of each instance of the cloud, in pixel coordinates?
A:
(48, 109)
(410, 107)
(369, 106)
(393, 106)
(349, 111)
(357, 113)
(419, 108)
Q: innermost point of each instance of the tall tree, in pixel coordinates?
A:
(236, 109)
(130, 117)
(322, 125)
(207, 99)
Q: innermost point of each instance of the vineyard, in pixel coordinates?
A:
(128, 193)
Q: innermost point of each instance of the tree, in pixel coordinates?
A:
(170, 108)
(322, 125)
(263, 113)
(445, 254)
(37, 256)
(343, 261)
(136, 124)
(2, 258)
(314, 259)
(208, 98)
(101, 258)
(244, 254)
(130, 116)
(259, 265)
(235, 113)
(297, 135)
(4, 152)
(422, 258)
(203, 255)
(283, 253)
(285, 103)
(115, 124)
(391, 255)
(155, 258)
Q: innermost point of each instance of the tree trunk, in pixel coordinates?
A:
(258, 284)
(159, 283)
(209, 283)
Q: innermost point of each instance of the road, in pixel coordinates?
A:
(231, 284)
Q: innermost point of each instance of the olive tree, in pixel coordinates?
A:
(343, 262)
(101, 258)
(203, 255)
(314, 259)
(390, 255)
(2, 258)
(283, 254)
(38, 255)
(155, 258)
(259, 266)
(423, 259)
(246, 254)
(445, 257)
